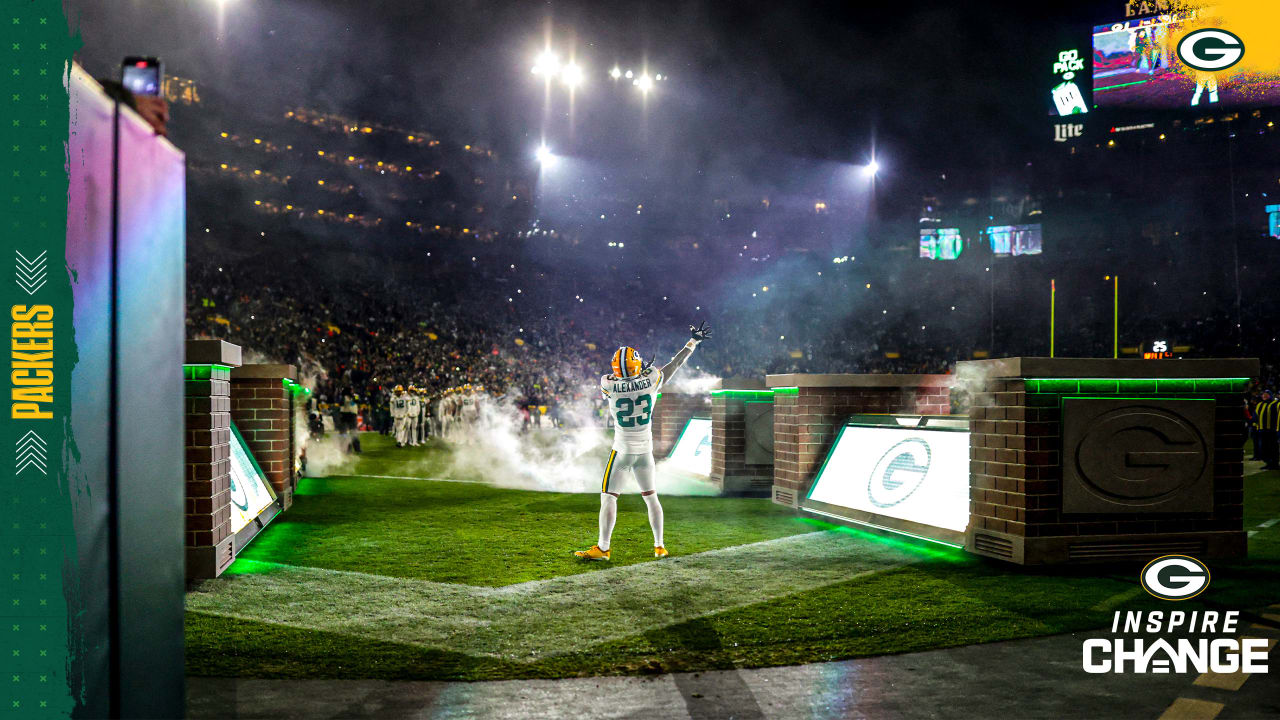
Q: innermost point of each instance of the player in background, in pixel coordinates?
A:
(415, 408)
(630, 391)
(422, 416)
(437, 415)
(470, 412)
(399, 415)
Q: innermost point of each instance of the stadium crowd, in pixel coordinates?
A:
(355, 330)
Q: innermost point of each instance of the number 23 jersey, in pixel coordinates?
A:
(631, 403)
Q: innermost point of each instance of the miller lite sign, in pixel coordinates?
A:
(1063, 132)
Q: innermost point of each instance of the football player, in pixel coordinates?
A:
(414, 409)
(399, 413)
(630, 391)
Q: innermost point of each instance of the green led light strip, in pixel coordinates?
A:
(745, 394)
(206, 371)
(1136, 385)
(294, 387)
(786, 391)
(1113, 87)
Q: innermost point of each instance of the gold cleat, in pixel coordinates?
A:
(660, 552)
(593, 553)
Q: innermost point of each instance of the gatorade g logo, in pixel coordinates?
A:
(1175, 577)
(1210, 49)
(238, 496)
(899, 472)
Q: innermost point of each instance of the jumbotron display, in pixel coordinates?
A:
(1136, 65)
(1015, 239)
(941, 243)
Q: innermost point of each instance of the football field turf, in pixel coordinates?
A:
(383, 573)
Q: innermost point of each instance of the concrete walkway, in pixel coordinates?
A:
(1038, 678)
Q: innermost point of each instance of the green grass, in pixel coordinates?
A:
(915, 597)
(481, 535)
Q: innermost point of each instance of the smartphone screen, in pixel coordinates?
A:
(142, 76)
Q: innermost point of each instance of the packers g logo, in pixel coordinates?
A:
(1174, 577)
(899, 472)
(1210, 49)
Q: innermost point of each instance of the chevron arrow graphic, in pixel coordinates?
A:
(31, 451)
(31, 274)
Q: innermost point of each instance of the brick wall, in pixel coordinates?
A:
(1016, 466)
(670, 415)
(729, 468)
(261, 408)
(807, 419)
(207, 400)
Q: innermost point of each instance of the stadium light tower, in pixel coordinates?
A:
(571, 75)
(546, 64)
(544, 156)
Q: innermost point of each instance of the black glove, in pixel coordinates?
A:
(700, 332)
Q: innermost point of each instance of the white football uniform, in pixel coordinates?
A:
(630, 404)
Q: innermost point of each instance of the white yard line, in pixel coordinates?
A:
(406, 477)
(533, 620)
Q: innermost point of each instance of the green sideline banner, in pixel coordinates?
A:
(39, 641)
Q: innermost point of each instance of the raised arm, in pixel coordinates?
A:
(697, 335)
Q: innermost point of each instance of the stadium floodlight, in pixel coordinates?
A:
(544, 156)
(644, 82)
(546, 64)
(628, 75)
(571, 75)
(615, 73)
(870, 169)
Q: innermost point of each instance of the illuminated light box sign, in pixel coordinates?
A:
(692, 451)
(941, 243)
(1065, 93)
(1015, 239)
(250, 492)
(1136, 64)
(904, 473)
(1273, 221)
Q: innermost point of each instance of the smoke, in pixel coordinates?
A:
(498, 449)
(969, 378)
(692, 381)
(327, 455)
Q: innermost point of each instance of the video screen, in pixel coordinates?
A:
(1136, 65)
(941, 243)
(1015, 239)
(1273, 221)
